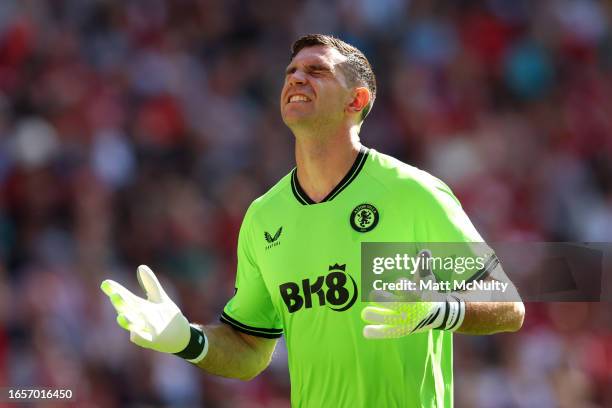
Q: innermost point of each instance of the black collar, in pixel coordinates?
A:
(303, 198)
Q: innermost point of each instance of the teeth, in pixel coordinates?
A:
(298, 98)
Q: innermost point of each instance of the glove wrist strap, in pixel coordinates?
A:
(454, 313)
(197, 348)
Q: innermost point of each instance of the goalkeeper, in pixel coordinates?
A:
(299, 261)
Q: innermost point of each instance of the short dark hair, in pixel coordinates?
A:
(356, 68)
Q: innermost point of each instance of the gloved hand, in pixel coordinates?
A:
(398, 319)
(156, 322)
(394, 316)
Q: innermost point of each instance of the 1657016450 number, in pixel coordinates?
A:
(34, 394)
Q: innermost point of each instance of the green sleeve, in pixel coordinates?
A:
(250, 310)
(443, 223)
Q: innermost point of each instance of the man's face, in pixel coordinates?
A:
(315, 89)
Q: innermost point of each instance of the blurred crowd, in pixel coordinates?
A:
(138, 131)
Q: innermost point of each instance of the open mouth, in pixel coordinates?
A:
(298, 98)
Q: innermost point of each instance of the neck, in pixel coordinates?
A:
(323, 160)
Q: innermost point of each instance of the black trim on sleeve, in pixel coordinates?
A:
(489, 266)
(354, 171)
(253, 331)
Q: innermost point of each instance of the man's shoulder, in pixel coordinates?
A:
(273, 199)
(403, 178)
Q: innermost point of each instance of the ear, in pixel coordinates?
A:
(361, 98)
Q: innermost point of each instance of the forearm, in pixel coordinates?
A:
(234, 355)
(503, 312)
(492, 317)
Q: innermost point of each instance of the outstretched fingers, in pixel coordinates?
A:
(150, 284)
(120, 297)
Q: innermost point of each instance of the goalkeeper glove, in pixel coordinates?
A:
(156, 322)
(395, 316)
(397, 319)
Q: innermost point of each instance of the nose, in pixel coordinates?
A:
(296, 78)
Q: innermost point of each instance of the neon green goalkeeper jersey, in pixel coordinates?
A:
(299, 275)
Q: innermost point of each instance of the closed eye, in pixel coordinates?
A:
(310, 69)
(318, 69)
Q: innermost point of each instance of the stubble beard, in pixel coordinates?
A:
(313, 126)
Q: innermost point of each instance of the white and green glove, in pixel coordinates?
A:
(394, 316)
(156, 322)
(392, 319)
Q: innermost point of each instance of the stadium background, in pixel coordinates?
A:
(138, 131)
